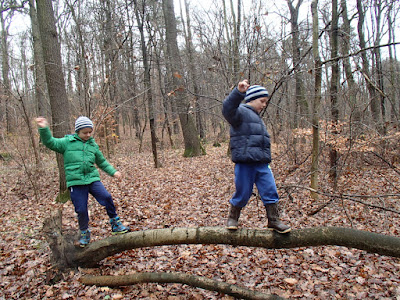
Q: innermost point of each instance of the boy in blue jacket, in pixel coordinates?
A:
(251, 153)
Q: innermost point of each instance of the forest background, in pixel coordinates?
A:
(152, 77)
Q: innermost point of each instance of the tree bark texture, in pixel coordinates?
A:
(54, 77)
(334, 88)
(190, 135)
(174, 277)
(193, 73)
(140, 16)
(60, 243)
(41, 95)
(374, 102)
(5, 70)
(356, 113)
(301, 103)
(309, 237)
(316, 101)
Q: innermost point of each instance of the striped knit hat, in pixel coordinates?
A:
(254, 92)
(83, 122)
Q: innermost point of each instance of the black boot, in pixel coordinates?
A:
(233, 218)
(273, 219)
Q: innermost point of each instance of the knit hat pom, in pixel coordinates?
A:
(254, 92)
(83, 122)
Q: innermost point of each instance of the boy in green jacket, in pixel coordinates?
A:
(81, 153)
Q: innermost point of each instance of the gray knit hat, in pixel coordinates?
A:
(254, 92)
(83, 122)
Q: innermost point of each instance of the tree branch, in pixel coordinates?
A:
(350, 198)
(176, 277)
(359, 51)
(392, 166)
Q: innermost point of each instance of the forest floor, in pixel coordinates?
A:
(191, 192)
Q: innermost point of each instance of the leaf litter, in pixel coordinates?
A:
(191, 192)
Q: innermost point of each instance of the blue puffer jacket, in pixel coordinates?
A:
(250, 142)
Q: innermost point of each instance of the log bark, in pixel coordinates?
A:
(175, 277)
(308, 237)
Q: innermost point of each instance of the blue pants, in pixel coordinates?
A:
(245, 177)
(80, 195)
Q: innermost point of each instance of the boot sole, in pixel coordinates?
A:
(281, 232)
(231, 227)
(120, 232)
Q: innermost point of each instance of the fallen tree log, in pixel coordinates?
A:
(176, 277)
(65, 255)
(320, 236)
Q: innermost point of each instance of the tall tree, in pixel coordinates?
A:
(193, 73)
(333, 153)
(131, 78)
(236, 39)
(190, 135)
(41, 94)
(352, 89)
(378, 11)
(393, 64)
(301, 103)
(82, 82)
(374, 102)
(5, 65)
(54, 77)
(111, 53)
(140, 13)
(316, 100)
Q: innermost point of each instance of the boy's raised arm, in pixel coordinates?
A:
(47, 138)
(232, 102)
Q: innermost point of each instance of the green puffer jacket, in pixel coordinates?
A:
(79, 157)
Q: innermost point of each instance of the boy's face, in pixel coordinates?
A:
(85, 133)
(259, 104)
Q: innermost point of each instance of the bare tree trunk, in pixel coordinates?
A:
(301, 104)
(355, 110)
(189, 45)
(333, 153)
(54, 78)
(111, 49)
(132, 83)
(236, 40)
(82, 69)
(378, 66)
(190, 135)
(374, 104)
(316, 100)
(147, 82)
(393, 68)
(228, 42)
(5, 64)
(164, 99)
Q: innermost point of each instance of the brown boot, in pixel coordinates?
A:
(233, 218)
(273, 219)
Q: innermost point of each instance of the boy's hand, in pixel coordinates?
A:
(42, 122)
(118, 175)
(243, 86)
